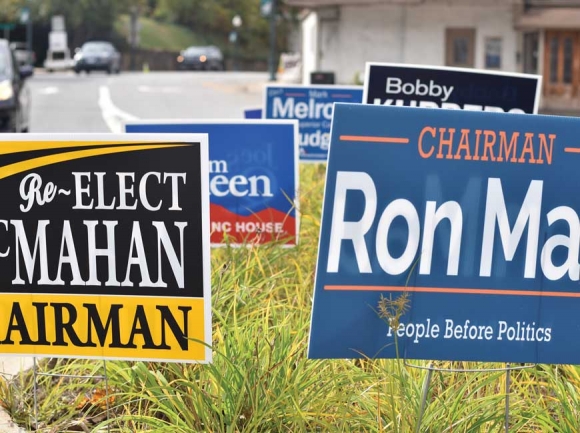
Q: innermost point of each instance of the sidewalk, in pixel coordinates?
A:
(552, 112)
(9, 366)
(6, 424)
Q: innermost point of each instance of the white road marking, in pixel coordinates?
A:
(113, 116)
(51, 90)
(149, 89)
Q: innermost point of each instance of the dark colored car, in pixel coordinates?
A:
(14, 91)
(97, 56)
(201, 58)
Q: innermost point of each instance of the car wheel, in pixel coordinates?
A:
(17, 121)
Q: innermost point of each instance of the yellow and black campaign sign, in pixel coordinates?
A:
(104, 246)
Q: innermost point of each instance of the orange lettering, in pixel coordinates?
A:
(463, 145)
(488, 143)
(544, 146)
(432, 131)
(503, 146)
(443, 142)
(528, 149)
(477, 135)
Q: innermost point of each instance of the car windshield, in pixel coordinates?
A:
(196, 51)
(95, 48)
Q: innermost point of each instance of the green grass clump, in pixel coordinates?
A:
(261, 381)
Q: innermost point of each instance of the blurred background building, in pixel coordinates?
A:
(532, 36)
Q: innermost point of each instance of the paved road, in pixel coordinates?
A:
(65, 102)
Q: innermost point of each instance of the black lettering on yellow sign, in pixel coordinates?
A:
(157, 325)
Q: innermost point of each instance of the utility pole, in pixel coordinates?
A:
(29, 34)
(133, 35)
(25, 18)
(272, 58)
(237, 23)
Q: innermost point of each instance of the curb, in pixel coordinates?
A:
(10, 366)
(7, 425)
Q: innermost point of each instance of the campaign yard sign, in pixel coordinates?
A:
(253, 171)
(472, 217)
(252, 113)
(104, 246)
(312, 106)
(451, 88)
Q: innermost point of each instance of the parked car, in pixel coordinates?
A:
(14, 91)
(201, 58)
(23, 56)
(97, 56)
(58, 60)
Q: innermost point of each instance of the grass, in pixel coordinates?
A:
(161, 36)
(261, 381)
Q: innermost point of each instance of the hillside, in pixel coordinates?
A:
(163, 36)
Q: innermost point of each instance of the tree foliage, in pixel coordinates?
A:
(86, 19)
(9, 10)
(215, 17)
(95, 19)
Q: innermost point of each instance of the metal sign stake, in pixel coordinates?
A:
(507, 397)
(430, 369)
(104, 377)
(35, 392)
(426, 385)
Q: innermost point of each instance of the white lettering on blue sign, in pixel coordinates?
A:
(289, 109)
(496, 219)
(396, 86)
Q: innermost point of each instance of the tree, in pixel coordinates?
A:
(215, 18)
(84, 19)
(10, 10)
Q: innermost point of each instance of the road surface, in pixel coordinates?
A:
(65, 102)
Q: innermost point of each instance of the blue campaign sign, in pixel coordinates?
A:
(449, 235)
(252, 113)
(253, 171)
(312, 106)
